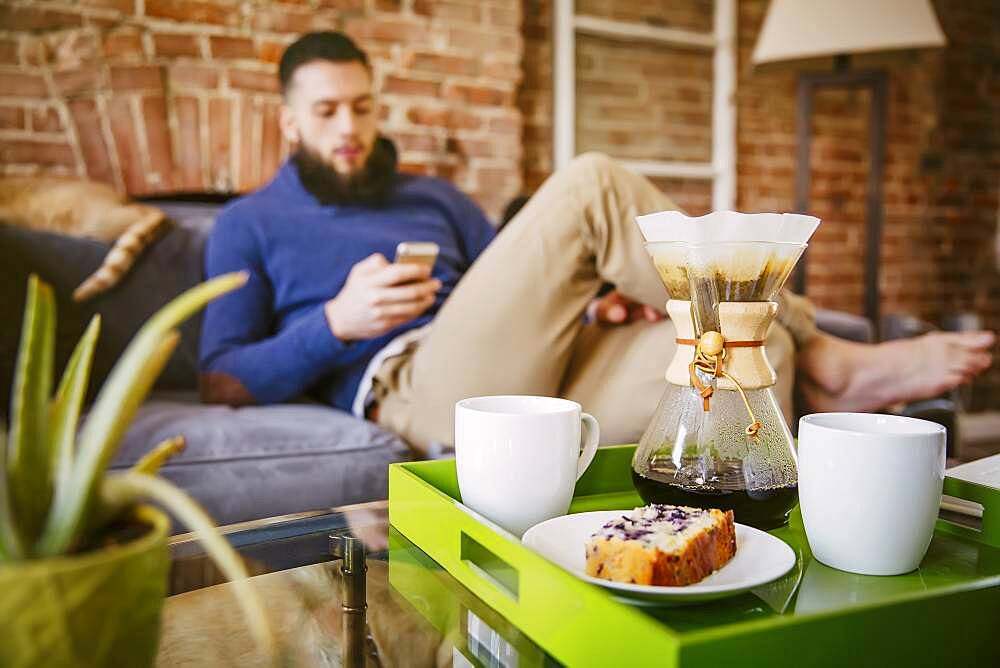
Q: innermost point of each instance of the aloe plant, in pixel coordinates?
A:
(55, 492)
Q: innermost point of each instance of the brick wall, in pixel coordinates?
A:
(942, 173)
(635, 101)
(942, 153)
(534, 98)
(940, 240)
(181, 95)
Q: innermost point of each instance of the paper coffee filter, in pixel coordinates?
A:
(727, 226)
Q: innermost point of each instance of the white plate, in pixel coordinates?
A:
(760, 558)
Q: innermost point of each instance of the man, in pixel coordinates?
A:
(326, 313)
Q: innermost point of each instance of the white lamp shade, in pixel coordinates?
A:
(795, 29)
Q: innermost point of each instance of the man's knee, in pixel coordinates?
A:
(593, 165)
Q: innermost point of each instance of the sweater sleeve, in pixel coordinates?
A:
(473, 227)
(479, 231)
(237, 337)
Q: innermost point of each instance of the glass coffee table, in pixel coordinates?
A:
(315, 571)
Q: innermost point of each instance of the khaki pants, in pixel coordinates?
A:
(513, 324)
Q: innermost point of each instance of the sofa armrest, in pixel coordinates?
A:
(845, 325)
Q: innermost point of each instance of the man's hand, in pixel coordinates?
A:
(615, 308)
(375, 300)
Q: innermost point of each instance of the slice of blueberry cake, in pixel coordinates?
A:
(662, 545)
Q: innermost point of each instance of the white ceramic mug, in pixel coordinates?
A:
(870, 489)
(519, 457)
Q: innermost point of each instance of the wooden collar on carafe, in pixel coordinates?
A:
(710, 352)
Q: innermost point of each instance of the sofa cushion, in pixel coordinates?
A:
(260, 461)
(168, 268)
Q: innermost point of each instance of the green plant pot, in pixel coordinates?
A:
(99, 608)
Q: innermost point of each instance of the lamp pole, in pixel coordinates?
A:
(875, 81)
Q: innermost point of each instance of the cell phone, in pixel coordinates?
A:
(417, 252)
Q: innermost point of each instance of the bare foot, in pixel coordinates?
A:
(845, 376)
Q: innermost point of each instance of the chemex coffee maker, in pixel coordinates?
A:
(718, 438)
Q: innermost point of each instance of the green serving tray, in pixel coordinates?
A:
(474, 630)
(946, 613)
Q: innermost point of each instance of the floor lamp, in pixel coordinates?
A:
(796, 30)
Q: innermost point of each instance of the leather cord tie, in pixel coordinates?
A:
(709, 355)
(726, 344)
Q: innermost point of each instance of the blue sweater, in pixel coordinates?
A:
(272, 334)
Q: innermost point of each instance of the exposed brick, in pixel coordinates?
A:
(406, 86)
(126, 143)
(219, 128)
(101, 22)
(451, 11)
(28, 152)
(471, 148)
(388, 30)
(8, 51)
(139, 77)
(608, 88)
(195, 76)
(484, 40)
(45, 119)
(248, 131)
(348, 5)
(270, 142)
(36, 18)
(195, 11)
(71, 49)
(490, 178)
(90, 134)
(231, 47)
(17, 84)
(270, 52)
(504, 71)
(265, 82)
(478, 95)
(276, 19)
(188, 144)
(449, 117)
(504, 17)
(122, 6)
(444, 64)
(161, 159)
(417, 142)
(123, 44)
(174, 44)
(12, 118)
(243, 156)
(34, 51)
(75, 82)
(505, 125)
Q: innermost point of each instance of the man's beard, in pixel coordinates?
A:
(372, 185)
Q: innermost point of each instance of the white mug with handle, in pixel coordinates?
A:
(519, 457)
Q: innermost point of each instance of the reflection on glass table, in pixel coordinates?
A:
(394, 606)
(342, 589)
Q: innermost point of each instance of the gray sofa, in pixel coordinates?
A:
(240, 464)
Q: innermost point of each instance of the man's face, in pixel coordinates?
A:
(330, 110)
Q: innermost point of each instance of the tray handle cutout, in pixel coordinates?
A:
(487, 565)
(988, 498)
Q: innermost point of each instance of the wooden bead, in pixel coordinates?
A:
(712, 343)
